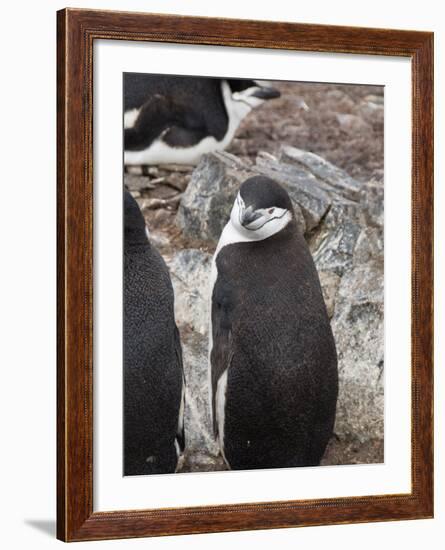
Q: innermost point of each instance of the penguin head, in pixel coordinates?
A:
(135, 231)
(251, 93)
(261, 209)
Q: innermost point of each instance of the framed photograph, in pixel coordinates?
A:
(245, 228)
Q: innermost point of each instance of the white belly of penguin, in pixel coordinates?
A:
(180, 420)
(160, 152)
(220, 408)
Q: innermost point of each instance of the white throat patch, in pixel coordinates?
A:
(265, 222)
(270, 222)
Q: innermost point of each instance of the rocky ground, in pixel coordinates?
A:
(324, 143)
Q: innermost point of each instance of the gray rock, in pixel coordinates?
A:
(372, 199)
(335, 179)
(334, 242)
(341, 211)
(154, 204)
(352, 451)
(369, 245)
(190, 274)
(358, 330)
(330, 282)
(198, 461)
(333, 248)
(202, 452)
(159, 240)
(206, 204)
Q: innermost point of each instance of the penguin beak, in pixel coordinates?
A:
(248, 216)
(266, 92)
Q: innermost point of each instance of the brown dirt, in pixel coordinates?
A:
(310, 116)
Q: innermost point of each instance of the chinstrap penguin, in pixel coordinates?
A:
(153, 373)
(177, 119)
(273, 364)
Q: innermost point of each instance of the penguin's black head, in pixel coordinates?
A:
(261, 192)
(251, 92)
(261, 209)
(134, 223)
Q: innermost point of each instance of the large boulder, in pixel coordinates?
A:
(190, 275)
(357, 325)
(334, 247)
(206, 204)
(335, 179)
(369, 245)
(202, 451)
(329, 282)
(371, 196)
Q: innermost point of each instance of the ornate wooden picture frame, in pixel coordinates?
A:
(77, 31)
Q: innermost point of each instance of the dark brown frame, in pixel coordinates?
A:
(76, 32)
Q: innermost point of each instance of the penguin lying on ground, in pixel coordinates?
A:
(153, 373)
(273, 362)
(176, 119)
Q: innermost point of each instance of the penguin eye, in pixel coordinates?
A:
(271, 210)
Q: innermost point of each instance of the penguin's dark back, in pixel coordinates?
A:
(200, 93)
(152, 374)
(284, 366)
